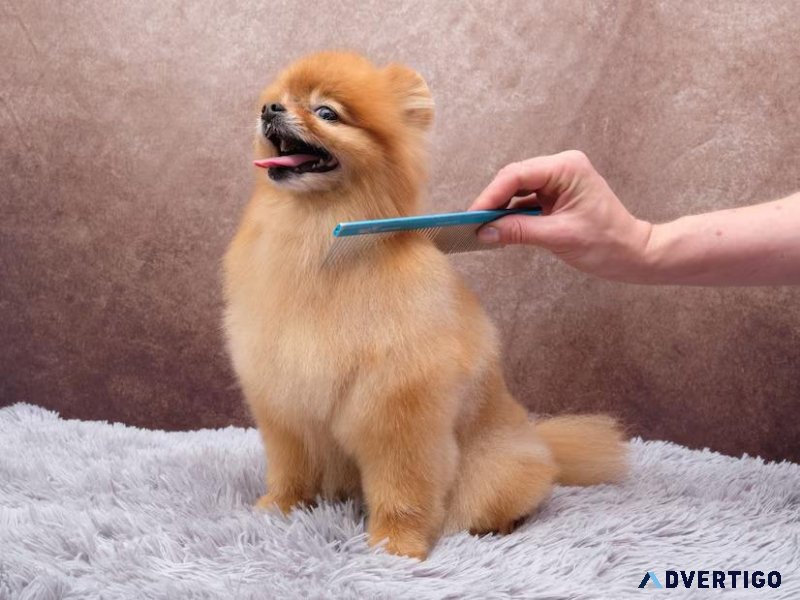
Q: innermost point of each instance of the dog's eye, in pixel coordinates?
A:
(326, 113)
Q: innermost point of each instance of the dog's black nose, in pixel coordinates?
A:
(268, 111)
(271, 109)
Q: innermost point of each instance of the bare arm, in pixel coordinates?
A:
(587, 226)
(754, 245)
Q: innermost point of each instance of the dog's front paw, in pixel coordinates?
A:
(281, 502)
(403, 543)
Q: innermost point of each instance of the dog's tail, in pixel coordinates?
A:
(588, 449)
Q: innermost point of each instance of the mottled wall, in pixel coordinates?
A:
(125, 141)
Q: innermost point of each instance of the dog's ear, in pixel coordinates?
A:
(414, 95)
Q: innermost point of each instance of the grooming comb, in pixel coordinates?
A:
(451, 232)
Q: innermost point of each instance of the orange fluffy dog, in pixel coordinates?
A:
(379, 377)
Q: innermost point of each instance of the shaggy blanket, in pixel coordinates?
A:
(94, 510)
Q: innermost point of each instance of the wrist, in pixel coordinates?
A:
(640, 257)
(652, 266)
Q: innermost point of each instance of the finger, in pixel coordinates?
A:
(505, 185)
(523, 201)
(527, 176)
(523, 229)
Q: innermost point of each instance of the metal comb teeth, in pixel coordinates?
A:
(351, 247)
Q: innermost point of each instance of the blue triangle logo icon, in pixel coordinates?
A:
(648, 577)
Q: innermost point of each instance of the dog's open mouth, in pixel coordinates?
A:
(296, 157)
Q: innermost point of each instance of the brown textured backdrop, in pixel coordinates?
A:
(125, 136)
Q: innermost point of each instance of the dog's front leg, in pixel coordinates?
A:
(292, 477)
(406, 451)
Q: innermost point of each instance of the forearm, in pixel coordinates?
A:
(753, 245)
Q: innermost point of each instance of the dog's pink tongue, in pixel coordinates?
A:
(290, 160)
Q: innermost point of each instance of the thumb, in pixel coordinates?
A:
(521, 229)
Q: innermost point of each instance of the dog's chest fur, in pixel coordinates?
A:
(299, 339)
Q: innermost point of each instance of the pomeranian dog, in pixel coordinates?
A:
(379, 377)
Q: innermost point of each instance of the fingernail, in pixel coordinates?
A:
(489, 235)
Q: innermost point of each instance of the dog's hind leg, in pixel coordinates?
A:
(503, 475)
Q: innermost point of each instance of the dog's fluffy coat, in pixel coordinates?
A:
(381, 377)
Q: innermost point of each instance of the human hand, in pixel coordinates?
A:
(585, 224)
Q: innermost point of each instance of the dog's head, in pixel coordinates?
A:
(333, 118)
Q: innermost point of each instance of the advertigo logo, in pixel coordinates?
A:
(712, 579)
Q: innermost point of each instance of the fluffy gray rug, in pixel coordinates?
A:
(93, 510)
